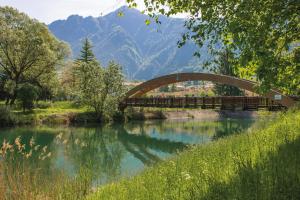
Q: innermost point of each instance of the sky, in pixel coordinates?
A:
(48, 11)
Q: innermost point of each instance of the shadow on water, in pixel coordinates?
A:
(112, 152)
(232, 126)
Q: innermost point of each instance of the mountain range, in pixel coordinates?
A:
(144, 51)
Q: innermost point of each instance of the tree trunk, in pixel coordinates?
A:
(13, 99)
(7, 100)
(14, 96)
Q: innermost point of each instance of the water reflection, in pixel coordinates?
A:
(119, 150)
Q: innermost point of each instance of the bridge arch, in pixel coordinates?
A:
(152, 84)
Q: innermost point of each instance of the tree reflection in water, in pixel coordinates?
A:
(104, 151)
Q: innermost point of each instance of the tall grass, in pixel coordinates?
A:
(262, 164)
(24, 175)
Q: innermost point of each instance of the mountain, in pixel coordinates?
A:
(143, 51)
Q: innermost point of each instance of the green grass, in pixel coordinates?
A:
(261, 164)
(61, 112)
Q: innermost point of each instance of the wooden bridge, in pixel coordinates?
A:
(274, 99)
(222, 102)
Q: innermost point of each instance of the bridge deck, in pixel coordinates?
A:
(230, 103)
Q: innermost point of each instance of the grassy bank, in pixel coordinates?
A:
(262, 164)
(62, 112)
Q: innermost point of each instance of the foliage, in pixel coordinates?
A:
(173, 88)
(97, 87)
(261, 164)
(114, 89)
(264, 34)
(27, 94)
(101, 89)
(164, 88)
(28, 51)
(224, 65)
(67, 82)
(46, 112)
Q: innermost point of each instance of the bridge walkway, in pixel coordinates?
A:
(219, 102)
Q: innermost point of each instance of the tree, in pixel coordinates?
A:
(67, 81)
(173, 88)
(264, 34)
(89, 85)
(164, 88)
(97, 87)
(28, 51)
(114, 89)
(101, 89)
(86, 53)
(224, 65)
(27, 94)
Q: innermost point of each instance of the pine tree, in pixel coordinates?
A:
(86, 53)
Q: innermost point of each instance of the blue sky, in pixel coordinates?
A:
(49, 10)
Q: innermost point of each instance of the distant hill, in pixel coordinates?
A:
(143, 51)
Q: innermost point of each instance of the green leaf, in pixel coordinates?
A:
(147, 22)
(120, 14)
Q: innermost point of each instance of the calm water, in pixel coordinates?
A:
(117, 151)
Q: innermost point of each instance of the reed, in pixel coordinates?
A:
(21, 179)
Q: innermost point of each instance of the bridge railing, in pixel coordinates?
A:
(222, 102)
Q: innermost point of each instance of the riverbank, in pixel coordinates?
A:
(174, 114)
(47, 113)
(261, 164)
(68, 113)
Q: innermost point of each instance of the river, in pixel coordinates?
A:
(116, 151)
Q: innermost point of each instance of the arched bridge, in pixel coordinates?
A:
(271, 99)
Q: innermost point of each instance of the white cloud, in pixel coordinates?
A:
(50, 10)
